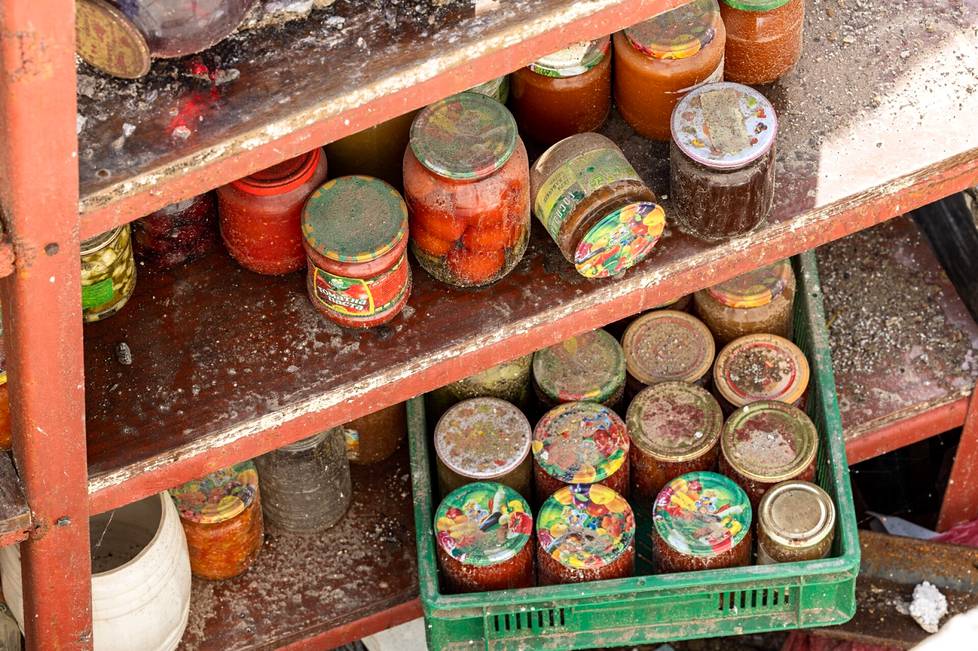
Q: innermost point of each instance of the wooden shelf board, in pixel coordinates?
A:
(15, 515)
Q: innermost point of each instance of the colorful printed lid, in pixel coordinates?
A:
(482, 438)
(724, 125)
(354, 219)
(702, 514)
(769, 441)
(586, 527)
(754, 288)
(620, 240)
(219, 496)
(668, 346)
(796, 514)
(590, 366)
(573, 60)
(674, 421)
(756, 5)
(108, 40)
(281, 178)
(483, 524)
(761, 367)
(465, 136)
(580, 442)
(678, 33)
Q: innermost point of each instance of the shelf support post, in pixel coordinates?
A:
(960, 502)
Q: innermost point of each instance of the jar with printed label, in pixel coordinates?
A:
(764, 38)
(376, 151)
(176, 234)
(509, 381)
(795, 522)
(375, 437)
(759, 301)
(760, 367)
(590, 366)
(667, 346)
(108, 273)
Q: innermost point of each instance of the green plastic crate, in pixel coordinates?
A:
(659, 608)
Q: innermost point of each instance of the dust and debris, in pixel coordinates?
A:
(928, 606)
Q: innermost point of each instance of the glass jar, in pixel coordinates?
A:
(595, 206)
(585, 533)
(795, 522)
(497, 88)
(376, 151)
(509, 381)
(221, 515)
(764, 38)
(306, 485)
(759, 301)
(674, 428)
(667, 346)
(482, 534)
(483, 439)
(176, 234)
(466, 182)
(375, 437)
(564, 93)
(261, 213)
(355, 235)
(660, 60)
(760, 367)
(701, 521)
(590, 366)
(108, 273)
(721, 161)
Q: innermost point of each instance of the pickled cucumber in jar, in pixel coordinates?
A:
(108, 273)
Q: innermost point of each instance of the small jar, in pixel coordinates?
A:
(483, 439)
(178, 233)
(306, 485)
(721, 161)
(585, 533)
(667, 346)
(221, 516)
(764, 38)
(509, 381)
(376, 151)
(260, 214)
(564, 93)
(674, 429)
(497, 88)
(660, 60)
(595, 206)
(482, 535)
(375, 437)
(590, 366)
(795, 522)
(355, 235)
(579, 443)
(701, 521)
(760, 367)
(759, 301)
(108, 273)
(466, 182)
(765, 443)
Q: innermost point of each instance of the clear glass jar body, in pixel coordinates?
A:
(176, 234)
(728, 323)
(108, 273)
(762, 45)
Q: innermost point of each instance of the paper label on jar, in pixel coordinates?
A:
(357, 297)
(352, 439)
(97, 293)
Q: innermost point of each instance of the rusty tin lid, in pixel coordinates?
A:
(769, 441)
(668, 346)
(761, 367)
(482, 438)
(674, 421)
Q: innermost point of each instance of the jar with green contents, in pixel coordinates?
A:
(509, 381)
(108, 273)
(759, 301)
(589, 367)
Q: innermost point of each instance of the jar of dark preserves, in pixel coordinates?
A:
(376, 151)
(376, 436)
(176, 234)
(764, 38)
(590, 366)
(760, 367)
(759, 301)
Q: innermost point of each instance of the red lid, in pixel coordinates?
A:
(281, 178)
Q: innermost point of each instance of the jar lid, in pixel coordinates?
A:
(755, 288)
(586, 527)
(482, 438)
(796, 514)
(492, 88)
(756, 5)
(573, 60)
(108, 40)
(702, 514)
(580, 442)
(281, 178)
(674, 421)
(769, 441)
(219, 496)
(590, 366)
(100, 241)
(761, 367)
(508, 378)
(668, 346)
(483, 524)
(354, 219)
(724, 125)
(620, 240)
(678, 33)
(465, 136)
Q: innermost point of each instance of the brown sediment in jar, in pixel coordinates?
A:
(756, 488)
(760, 301)
(458, 577)
(378, 435)
(545, 484)
(762, 45)
(553, 572)
(668, 559)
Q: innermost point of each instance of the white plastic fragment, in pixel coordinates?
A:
(928, 606)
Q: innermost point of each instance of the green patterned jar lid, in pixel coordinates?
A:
(586, 527)
(483, 524)
(590, 366)
(482, 438)
(573, 60)
(219, 496)
(769, 441)
(674, 421)
(580, 443)
(756, 5)
(702, 514)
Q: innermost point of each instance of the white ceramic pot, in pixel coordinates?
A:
(140, 580)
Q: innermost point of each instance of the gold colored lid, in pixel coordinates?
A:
(100, 241)
(107, 39)
(674, 421)
(797, 514)
(761, 367)
(668, 346)
(769, 441)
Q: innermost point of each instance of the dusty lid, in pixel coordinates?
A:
(108, 40)
(668, 346)
(796, 514)
(580, 442)
(497, 88)
(482, 438)
(586, 526)
(573, 60)
(769, 441)
(702, 514)
(674, 421)
(100, 241)
(219, 496)
(506, 379)
(724, 125)
(678, 33)
(620, 240)
(354, 219)
(308, 443)
(590, 366)
(754, 288)
(281, 178)
(483, 524)
(465, 136)
(756, 5)
(761, 367)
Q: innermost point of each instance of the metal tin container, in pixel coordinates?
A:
(667, 346)
(760, 367)
(795, 522)
(108, 273)
(590, 366)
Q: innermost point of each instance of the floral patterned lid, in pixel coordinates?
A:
(702, 514)
(674, 421)
(573, 60)
(678, 33)
(108, 39)
(590, 366)
(769, 441)
(580, 442)
(219, 496)
(482, 438)
(482, 524)
(668, 346)
(755, 288)
(586, 526)
(761, 367)
(620, 240)
(724, 125)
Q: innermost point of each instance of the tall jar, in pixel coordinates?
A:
(178, 233)
(759, 301)
(764, 38)
(376, 436)
(509, 381)
(564, 93)
(667, 346)
(590, 366)
(795, 522)
(466, 182)
(722, 161)
(108, 273)
(376, 151)
(760, 367)
(260, 214)
(662, 59)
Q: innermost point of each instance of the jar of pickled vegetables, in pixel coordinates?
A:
(497, 88)
(590, 366)
(466, 182)
(795, 522)
(667, 346)
(764, 38)
(176, 234)
(108, 273)
(375, 437)
(759, 301)
(509, 381)
(376, 151)
(760, 367)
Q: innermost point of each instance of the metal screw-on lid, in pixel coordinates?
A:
(702, 514)
(755, 288)
(769, 441)
(674, 421)
(482, 438)
(590, 366)
(796, 514)
(668, 346)
(678, 33)
(580, 442)
(483, 524)
(761, 367)
(573, 60)
(586, 526)
(100, 241)
(108, 40)
(219, 496)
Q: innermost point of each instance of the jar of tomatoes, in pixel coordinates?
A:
(376, 436)
(761, 300)
(667, 346)
(466, 182)
(177, 233)
(764, 38)
(509, 381)
(760, 367)
(590, 366)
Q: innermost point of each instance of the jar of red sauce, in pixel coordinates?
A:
(760, 367)
(590, 366)
(221, 515)
(375, 437)
(176, 234)
(585, 533)
(764, 38)
(667, 346)
(466, 182)
(759, 301)
(564, 93)
(260, 214)
(482, 539)
(355, 234)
